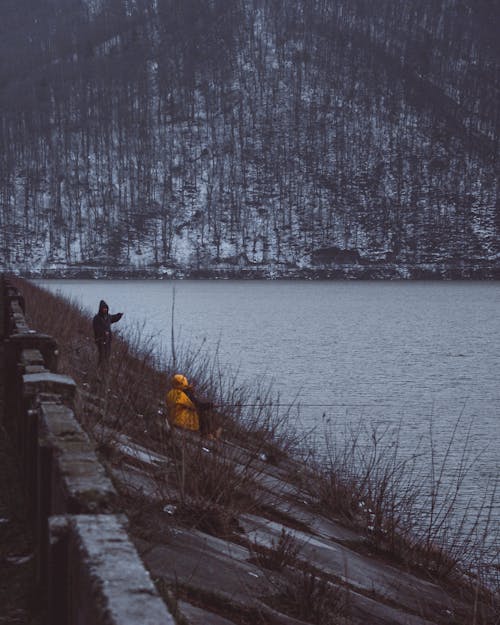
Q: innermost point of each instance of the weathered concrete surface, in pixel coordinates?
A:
(47, 382)
(211, 564)
(72, 478)
(218, 567)
(34, 369)
(379, 594)
(29, 339)
(108, 583)
(135, 482)
(198, 616)
(130, 451)
(32, 357)
(361, 572)
(368, 611)
(58, 422)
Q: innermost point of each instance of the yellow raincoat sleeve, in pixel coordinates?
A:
(181, 410)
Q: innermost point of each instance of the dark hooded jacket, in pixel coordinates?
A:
(102, 324)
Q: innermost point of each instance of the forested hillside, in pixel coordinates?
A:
(279, 137)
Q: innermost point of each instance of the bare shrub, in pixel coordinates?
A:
(308, 596)
(147, 519)
(282, 553)
(214, 485)
(405, 511)
(363, 481)
(208, 517)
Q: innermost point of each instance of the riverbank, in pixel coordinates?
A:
(225, 528)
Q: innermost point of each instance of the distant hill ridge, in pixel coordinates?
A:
(196, 137)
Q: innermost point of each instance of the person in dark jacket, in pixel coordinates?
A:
(102, 331)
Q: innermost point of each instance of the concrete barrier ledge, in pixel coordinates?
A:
(19, 340)
(31, 357)
(107, 582)
(77, 480)
(88, 570)
(47, 382)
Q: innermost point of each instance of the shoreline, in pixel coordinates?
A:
(413, 272)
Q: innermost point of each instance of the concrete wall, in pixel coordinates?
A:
(88, 571)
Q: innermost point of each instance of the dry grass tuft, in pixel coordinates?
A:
(283, 552)
(308, 596)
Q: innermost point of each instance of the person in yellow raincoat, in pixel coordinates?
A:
(186, 411)
(181, 408)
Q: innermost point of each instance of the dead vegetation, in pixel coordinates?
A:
(308, 596)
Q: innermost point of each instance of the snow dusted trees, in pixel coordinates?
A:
(198, 133)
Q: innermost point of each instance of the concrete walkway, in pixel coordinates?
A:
(18, 598)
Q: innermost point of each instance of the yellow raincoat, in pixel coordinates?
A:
(181, 410)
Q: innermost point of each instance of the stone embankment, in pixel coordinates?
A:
(87, 569)
(230, 533)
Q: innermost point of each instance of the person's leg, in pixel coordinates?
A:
(100, 354)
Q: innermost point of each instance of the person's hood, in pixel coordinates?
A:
(180, 381)
(102, 303)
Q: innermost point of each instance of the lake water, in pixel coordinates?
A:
(411, 357)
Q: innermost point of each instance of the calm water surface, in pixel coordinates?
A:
(412, 356)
